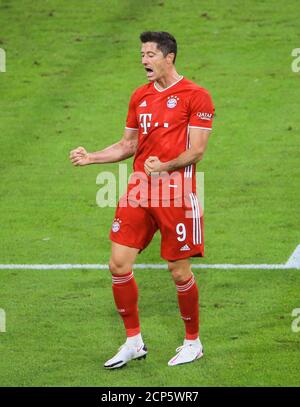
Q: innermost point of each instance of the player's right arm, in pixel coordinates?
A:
(125, 148)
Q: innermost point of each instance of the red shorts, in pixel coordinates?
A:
(181, 228)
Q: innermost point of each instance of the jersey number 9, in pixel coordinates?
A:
(181, 232)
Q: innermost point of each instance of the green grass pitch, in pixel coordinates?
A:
(71, 67)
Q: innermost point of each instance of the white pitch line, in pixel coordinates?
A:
(292, 263)
(143, 266)
(294, 260)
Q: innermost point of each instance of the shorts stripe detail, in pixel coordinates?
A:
(197, 238)
(121, 279)
(198, 217)
(187, 286)
(188, 171)
(194, 228)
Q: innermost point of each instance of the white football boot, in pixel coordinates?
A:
(126, 353)
(188, 352)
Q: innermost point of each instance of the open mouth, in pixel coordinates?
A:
(149, 70)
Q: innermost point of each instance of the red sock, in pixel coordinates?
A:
(187, 292)
(125, 293)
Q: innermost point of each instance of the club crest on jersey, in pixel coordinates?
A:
(116, 225)
(172, 101)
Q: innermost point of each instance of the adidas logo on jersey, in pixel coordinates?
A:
(143, 104)
(185, 248)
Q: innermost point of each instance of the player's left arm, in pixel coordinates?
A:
(198, 142)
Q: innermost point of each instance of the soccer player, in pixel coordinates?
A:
(167, 129)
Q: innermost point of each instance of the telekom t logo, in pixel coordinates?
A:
(144, 121)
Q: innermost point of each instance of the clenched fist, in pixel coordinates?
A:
(80, 156)
(153, 166)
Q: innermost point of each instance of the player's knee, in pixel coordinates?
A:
(176, 271)
(114, 267)
(118, 267)
(179, 272)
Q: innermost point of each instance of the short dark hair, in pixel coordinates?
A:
(166, 43)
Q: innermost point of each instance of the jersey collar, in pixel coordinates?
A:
(162, 90)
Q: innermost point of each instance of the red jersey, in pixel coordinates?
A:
(163, 118)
